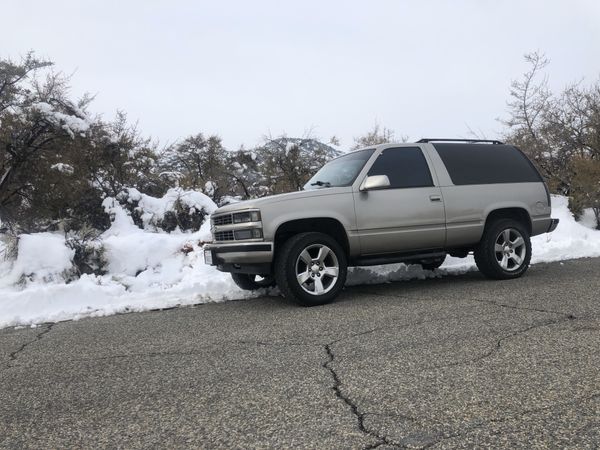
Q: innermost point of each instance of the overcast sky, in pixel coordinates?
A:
(243, 69)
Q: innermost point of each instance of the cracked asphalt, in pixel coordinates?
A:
(453, 362)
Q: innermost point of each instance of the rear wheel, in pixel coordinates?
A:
(504, 251)
(252, 282)
(311, 268)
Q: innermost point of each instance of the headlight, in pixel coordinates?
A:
(248, 216)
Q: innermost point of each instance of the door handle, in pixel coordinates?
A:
(435, 198)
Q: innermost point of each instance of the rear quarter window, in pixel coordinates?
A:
(486, 164)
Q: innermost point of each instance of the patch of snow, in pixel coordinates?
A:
(588, 218)
(63, 168)
(70, 123)
(289, 147)
(5, 263)
(228, 199)
(42, 257)
(210, 187)
(153, 209)
(570, 239)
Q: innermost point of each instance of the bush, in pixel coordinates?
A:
(89, 255)
(585, 192)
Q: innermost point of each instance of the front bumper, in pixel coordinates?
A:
(553, 225)
(249, 257)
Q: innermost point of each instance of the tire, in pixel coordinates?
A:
(319, 261)
(504, 251)
(251, 283)
(432, 264)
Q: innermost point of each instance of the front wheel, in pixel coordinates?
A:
(504, 251)
(252, 282)
(311, 268)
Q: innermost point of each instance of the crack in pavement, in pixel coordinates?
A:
(14, 355)
(496, 348)
(381, 439)
(525, 308)
(522, 414)
(499, 342)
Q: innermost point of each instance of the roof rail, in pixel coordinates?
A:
(472, 141)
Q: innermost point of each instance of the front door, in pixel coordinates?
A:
(406, 216)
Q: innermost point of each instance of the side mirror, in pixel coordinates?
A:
(375, 182)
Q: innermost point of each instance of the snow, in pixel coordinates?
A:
(42, 257)
(146, 270)
(588, 218)
(63, 168)
(149, 269)
(153, 209)
(71, 124)
(289, 147)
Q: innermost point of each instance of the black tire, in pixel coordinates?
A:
(432, 264)
(251, 283)
(491, 261)
(288, 262)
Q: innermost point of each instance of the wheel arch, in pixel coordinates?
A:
(327, 225)
(517, 213)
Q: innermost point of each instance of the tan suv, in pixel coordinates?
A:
(412, 203)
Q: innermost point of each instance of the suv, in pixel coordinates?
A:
(411, 203)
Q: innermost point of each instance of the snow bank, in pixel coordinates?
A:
(146, 270)
(150, 270)
(570, 240)
(42, 257)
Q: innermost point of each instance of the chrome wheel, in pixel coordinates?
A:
(510, 249)
(317, 269)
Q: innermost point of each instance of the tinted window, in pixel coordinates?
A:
(406, 167)
(486, 164)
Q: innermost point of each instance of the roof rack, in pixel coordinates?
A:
(472, 141)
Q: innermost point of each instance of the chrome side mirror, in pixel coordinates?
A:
(375, 182)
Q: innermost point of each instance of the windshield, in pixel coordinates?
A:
(341, 171)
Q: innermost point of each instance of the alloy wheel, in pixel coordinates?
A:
(317, 269)
(510, 249)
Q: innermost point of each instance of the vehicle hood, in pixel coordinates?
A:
(272, 199)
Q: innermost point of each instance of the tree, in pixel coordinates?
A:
(287, 163)
(586, 188)
(529, 106)
(36, 119)
(245, 175)
(198, 163)
(375, 136)
(559, 132)
(12, 76)
(57, 162)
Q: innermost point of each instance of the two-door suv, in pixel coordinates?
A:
(412, 203)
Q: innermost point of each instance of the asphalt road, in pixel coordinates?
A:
(453, 362)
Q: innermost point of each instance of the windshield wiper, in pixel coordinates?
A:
(321, 183)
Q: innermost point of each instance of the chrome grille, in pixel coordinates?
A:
(224, 235)
(225, 219)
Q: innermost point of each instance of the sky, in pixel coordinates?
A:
(244, 69)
